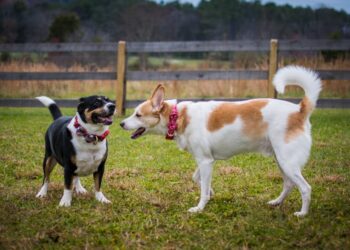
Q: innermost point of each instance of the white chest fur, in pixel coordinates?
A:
(88, 155)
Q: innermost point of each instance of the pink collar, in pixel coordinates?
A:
(81, 131)
(172, 125)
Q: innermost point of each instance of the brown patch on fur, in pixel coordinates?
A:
(297, 120)
(166, 110)
(88, 114)
(146, 108)
(182, 121)
(49, 165)
(249, 112)
(97, 181)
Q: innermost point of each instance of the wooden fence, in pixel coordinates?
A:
(122, 74)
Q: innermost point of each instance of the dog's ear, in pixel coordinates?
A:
(157, 98)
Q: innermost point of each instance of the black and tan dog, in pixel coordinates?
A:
(78, 144)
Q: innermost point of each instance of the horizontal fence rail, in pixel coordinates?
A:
(121, 75)
(72, 103)
(159, 75)
(59, 47)
(58, 76)
(170, 47)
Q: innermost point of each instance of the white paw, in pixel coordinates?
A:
(80, 190)
(101, 198)
(195, 209)
(41, 194)
(65, 202)
(274, 202)
(300, 214)
(43, 191)
(66, 198)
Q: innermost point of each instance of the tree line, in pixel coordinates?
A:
(143, 20)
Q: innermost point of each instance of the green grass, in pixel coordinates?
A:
(149, 183)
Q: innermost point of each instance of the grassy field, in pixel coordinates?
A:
(149, 183)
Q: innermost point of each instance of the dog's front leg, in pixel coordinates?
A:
(205, 171)
(68, 187)
(98, 181)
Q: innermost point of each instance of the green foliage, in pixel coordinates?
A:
(149, 182)
(210, 20)
(64, 25)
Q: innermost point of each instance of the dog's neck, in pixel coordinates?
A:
(163, 126)
(97, 129)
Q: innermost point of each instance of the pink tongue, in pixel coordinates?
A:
(107, 120)
(137, 133)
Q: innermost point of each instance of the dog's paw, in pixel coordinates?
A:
(195, 209)
(274, 202)
(41, 194)
(66, 198)
(80, 190)
(300, 214)
(43, 191)
(101, 198)
(65, 202)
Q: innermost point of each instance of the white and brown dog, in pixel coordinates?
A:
(217, 130)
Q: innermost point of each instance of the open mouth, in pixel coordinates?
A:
(138, 133)
(106, 119)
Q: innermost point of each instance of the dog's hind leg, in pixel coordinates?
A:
(48, 165)
(291, 158)
(79, 189)
(287, 188)
(196, 177)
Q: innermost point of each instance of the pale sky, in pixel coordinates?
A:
(336, 4)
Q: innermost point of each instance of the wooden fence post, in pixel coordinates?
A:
(271, 92)
(121, 78)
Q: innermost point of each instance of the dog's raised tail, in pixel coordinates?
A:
(48, 102)
(305, 78)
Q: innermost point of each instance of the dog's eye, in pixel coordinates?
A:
(138, 115)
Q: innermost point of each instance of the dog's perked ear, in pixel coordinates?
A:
(157, 98)
(81, 108)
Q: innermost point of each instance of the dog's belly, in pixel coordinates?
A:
(225, 144)
(226, 150)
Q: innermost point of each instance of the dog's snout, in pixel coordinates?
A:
(111, 107)
(122, 124)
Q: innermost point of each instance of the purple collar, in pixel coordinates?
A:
(172, 125)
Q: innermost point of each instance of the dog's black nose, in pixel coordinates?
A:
(111, 107)
(122, 124)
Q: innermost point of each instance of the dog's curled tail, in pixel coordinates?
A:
(305, 78)
(48, 102)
